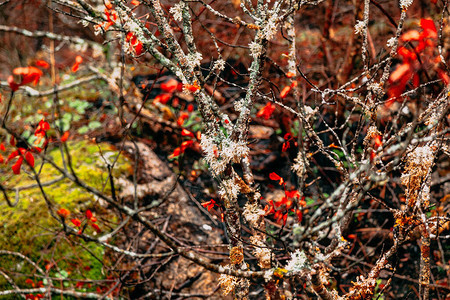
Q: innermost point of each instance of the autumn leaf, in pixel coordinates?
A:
(16, 167)
(62, 212)
(266, 111)
(65, 136)
(42, 64)
(29, 159)
(186, 132)
(76, 222)
(163, 98)
(275, 176)
(170, 85)
(192, 87)
(210, 204)
(285, 91)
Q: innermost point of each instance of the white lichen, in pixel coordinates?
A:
(391, 42)
(255, 49)
(404, 4)
(229, 189)
(219, 65)
(193, 60)
(360, 27)
(177, 11)
(298, 262)
(253, 214)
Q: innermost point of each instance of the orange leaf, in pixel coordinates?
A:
(192, 87)
(412, 35)
(78, 59)
(290, 74)
(401, 71)
(62, 212)
(377, 141)
(108, 4)
(65, 136)
(285, 91)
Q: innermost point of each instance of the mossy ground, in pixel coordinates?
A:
(29, 228)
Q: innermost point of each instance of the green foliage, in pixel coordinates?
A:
(31, 230)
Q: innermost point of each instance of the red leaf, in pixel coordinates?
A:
(284, 219)
(406, 54)
(377, 141)
(135, 2)
(186, 132)
(266, 111)
(190, 108)
(176, 152)
(444, 76)
(42, 64)
(16, 167)
(183, 116)
(14, 86)
(299, 214)
(12, 155)
(275, 176)
(429, 28)
(163, 98)
(29, 74)
(2, 160)
(2, 147)
(29, 158)
(288, 136)
(88, 214)
(96, 228)
(75, 67)
(192, 87)
(185, 145)
(292, 194)
(416, 80)
(210, 204)
(76, 222)
(169, 86)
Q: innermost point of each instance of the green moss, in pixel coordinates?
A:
(29, 228)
